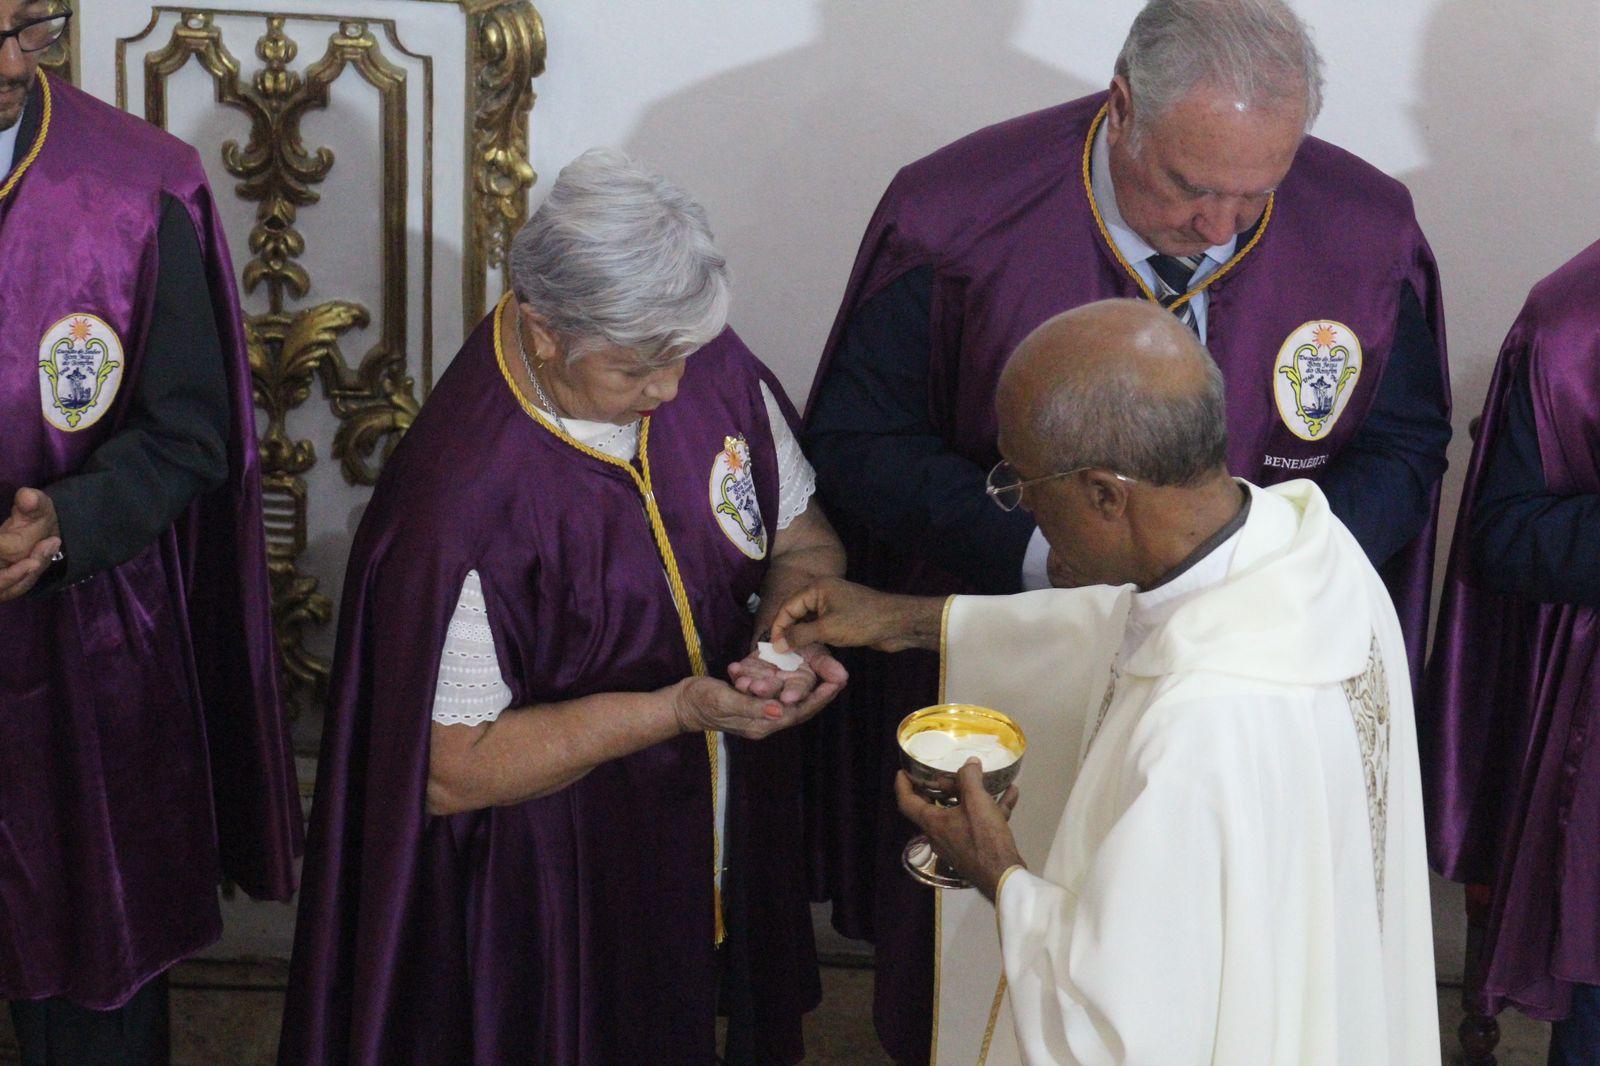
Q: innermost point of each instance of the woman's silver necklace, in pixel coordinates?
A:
(550, 407)
(544, 399)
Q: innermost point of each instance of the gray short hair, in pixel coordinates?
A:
(619, 255)
(1257, 49)
(1116, 423)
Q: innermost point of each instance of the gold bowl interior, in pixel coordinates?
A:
(963, 719)
(941, 787)
(960, 719)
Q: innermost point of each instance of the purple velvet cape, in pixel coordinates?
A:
(143, 753)
(1511, 781)
(1003, 219)
(577, 927)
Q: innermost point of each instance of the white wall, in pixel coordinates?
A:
(788, 117)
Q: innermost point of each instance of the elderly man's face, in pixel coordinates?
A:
(17, 67)
(1203, 171)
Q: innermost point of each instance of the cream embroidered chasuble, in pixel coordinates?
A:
(1225, 847)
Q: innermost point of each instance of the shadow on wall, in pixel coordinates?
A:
(790, 154)
(1507, 105)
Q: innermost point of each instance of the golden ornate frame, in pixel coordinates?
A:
(375, 401)
(508, 48)
(290, 349)
(508, 53)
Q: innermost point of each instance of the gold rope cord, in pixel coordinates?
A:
(38, 143)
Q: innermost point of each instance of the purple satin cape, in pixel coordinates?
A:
(1003, 219)
(143, 752)
(1511, 778)
(576, 927)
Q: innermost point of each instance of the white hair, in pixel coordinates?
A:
(619, 255)
(1258, 50)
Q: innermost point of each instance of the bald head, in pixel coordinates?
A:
(1120, 385)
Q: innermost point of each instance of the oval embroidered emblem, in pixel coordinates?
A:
(80, 370)
(1315, 375)
(733, 498)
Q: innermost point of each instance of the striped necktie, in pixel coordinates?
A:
(1173, 275)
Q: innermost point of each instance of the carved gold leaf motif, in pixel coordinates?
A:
(297, 348)
(293, 348)
(508, 45)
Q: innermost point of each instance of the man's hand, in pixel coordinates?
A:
(704, 703)
(755, 676)
(846, 615)
(29, 539)
(973, 837)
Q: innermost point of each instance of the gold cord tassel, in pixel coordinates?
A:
(720, 929)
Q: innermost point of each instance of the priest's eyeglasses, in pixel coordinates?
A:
(38, 34)
(1005, 485)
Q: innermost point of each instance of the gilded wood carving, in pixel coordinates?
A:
(508, 53)
(293, 348)
(296, 346)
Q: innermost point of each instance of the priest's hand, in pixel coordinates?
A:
(755, 676)
(29, 540)
(846, 615)
(973, 836)
(704, 704)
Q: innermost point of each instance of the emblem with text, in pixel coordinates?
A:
(733, 498)
(1314, 377)
(80, 370)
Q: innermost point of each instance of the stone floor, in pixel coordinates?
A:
(1523, 1041)
(228, 1013)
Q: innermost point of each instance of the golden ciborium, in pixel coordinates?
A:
(934, 743)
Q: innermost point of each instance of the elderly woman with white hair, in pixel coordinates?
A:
(544, 830)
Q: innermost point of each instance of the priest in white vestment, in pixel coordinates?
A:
(1231, 866)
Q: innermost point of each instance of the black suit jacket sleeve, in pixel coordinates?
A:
(1381, 484)
(1527, 541)
(172, 446)
(883, 465)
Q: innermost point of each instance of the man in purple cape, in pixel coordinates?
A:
(1510, 775)
(143, 755)
(1191, 183)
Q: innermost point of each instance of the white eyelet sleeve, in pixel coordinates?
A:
(796, 478)
(470, 690)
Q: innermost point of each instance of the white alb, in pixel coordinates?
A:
(1236, 872)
